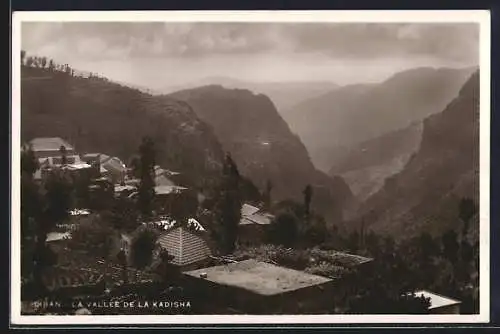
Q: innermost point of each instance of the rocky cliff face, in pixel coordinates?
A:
(350, 115)
(366, 166)
(98, 115)
(425, 195)
(263, 146)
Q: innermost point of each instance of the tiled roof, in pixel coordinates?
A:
(247, 210)
(185, 246)
(49, 144)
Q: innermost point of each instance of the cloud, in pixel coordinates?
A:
(93, 40)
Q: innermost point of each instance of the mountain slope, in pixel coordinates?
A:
(263, 147)
(426, 194)
(366, 166)
(98, 115)
(352, 114)
(283, 94)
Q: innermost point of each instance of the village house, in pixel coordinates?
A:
(254, 225)
(55, 240)
(109, 167)
(48, 153)
(165, 177)
(190, 248)
(253, 287)
(50, 147)
(188, 244)
(440, 304)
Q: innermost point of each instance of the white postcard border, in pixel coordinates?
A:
(482, 17)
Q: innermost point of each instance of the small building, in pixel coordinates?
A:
(48, 153)
(254, 225)
(109, 166)
(124, 191)
(189, 248)
(50, 147)
(55, 240)
(175, 200)
(440, 304)
(254, 287)
(57, 236)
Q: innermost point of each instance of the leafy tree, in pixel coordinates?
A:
(450, 246)
(122, 260)
(64, 159)
(143, 245)
(147, 183)
(135, 167)
(29, 61)
(267, 195)
(168, 272)
(58, 199)
(41, 210)
(248, 190)
(43, 62)
(372, 244)
(82, 195)
(51, 65)
(95, 236)
(427, 247)
(315, 231)
(285, 229)
(184, 206)
(122, 215)
(308, 192)
(385, 286)
(353, 243)
(228, 207)
(467, 210)
(379, 302)
(466, 252)
(30, 209)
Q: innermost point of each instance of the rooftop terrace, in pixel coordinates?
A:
(259, 277)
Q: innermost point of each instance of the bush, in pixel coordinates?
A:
(143, 245)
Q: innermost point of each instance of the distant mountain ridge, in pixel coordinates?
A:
(349, 115)
(262, 145)
(283, 94)
(425, 195)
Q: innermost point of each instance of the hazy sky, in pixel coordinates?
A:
(158, 55)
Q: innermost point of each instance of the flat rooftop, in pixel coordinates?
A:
(259, 277)
(437, 300)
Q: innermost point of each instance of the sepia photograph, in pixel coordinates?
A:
(250, 167)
